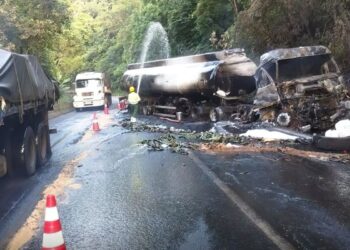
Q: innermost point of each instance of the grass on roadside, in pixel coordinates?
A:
(65, 102)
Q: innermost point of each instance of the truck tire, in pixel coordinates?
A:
(9, 155)
(42, 144)
(29, 152)
(49, 151)
(216, 114)
(146, 110)
(197, 112)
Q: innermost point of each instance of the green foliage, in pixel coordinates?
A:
(269, 24)
(32, 26)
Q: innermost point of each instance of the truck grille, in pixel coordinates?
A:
(87, 94)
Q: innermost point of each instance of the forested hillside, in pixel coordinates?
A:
(75, 35)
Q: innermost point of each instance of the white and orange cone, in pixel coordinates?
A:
(106, 110)
(53, 237)
(95, 126)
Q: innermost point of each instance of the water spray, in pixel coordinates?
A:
(155, 32)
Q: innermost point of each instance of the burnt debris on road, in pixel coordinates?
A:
(229, 136)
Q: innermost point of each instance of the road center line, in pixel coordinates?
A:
(263, 225)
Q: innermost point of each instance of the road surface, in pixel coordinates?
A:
(113, 193)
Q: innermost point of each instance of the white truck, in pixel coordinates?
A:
(92, 89)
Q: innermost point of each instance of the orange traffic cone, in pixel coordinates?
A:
(53, 237)
(95, 126)
(106, 110)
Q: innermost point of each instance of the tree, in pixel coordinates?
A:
(32, 26)
(269, 24)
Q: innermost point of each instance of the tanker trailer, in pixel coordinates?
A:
(26, 95)
(214, 83)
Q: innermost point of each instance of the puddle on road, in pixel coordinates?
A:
(32, 224)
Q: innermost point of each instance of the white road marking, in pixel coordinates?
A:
(260, 223)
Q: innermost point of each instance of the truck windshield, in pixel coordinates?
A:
(90, 83)
(291, 69)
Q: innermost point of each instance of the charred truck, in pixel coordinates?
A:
(301, 88)
(298, 87)
(208, 84)
(26, 96)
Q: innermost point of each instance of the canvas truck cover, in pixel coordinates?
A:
(23, 80)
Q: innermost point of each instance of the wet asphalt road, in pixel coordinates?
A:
(130, 198)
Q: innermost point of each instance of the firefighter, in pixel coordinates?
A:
(133, 101)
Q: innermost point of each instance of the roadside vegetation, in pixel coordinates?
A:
(70, 36)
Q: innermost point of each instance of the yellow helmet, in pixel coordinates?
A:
(131, 89)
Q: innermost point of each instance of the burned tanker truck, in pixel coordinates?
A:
(26, 95)
(301, 88)
(199, 86)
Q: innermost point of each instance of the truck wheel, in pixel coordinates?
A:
(216, 114)
(197, 112)
(42, 144)
(29, 152)
(9, 155)
(49, 151)
(146, 110)
(284, 119)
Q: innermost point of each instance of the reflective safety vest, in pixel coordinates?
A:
(133, 98)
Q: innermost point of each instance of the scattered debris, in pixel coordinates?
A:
(143, 127)
(236, 138)
(170, 142)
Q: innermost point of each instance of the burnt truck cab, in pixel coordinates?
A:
(301, 88)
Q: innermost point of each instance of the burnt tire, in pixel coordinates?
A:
(146, 110)
(284, 119)
(197, 112)
(42, 140)
(216, 114)
(29, 154)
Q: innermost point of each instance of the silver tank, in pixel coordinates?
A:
(229, 72)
